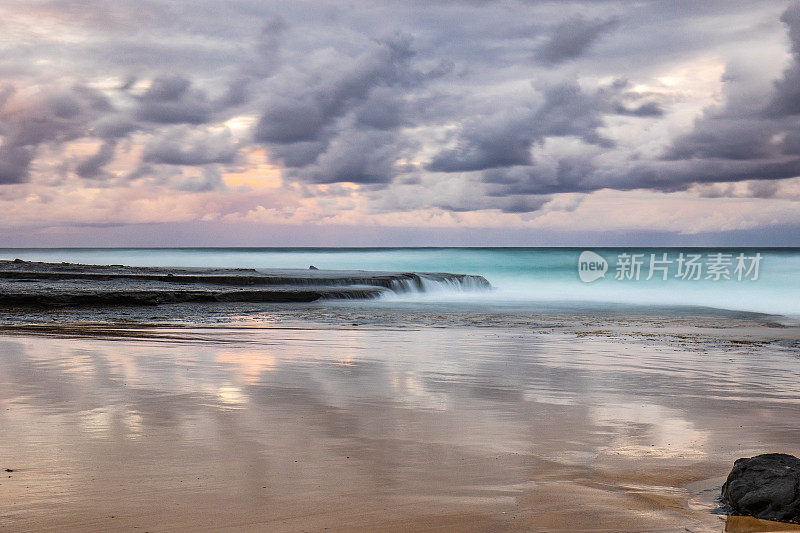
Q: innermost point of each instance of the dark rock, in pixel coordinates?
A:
(18, 260)
(312, 267)
(765, 486)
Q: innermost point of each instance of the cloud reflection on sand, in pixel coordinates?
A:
(357, 420)
(649, 430)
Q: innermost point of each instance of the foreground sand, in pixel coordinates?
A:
(386, 429)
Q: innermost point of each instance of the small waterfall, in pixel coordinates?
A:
(405, 285)
(438, 283)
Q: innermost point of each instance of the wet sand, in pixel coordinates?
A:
(386, 428)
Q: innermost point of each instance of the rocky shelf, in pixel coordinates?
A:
(26, 283)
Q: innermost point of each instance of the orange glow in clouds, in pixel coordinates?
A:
(261, 174)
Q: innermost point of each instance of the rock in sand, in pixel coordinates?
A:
(765, 486)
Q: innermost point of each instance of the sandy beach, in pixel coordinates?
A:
(386, 427)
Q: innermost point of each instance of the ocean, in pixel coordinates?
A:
(524, 279)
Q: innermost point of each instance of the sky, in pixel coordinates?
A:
(381, 123)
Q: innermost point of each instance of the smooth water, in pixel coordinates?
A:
(523, 277)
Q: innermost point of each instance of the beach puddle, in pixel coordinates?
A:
(747, 524)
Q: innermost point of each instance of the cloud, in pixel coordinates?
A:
(462, 107)
(92, 166)
(506, 138)
(171, 100)
(572, 37)
(763, 189)
(208, 180)
(489, 142)
(365, 157)
(14, 163)
(30, 120)
(524, 204)
(383, 109)
(113, 126)
(733, 142)
(339, 121)
(568, 175)
(647, 109)
(730, 142)
(723, 137)
(678, 175)
(264, 61)
(307, 106)
(183, 145)
(786, 100)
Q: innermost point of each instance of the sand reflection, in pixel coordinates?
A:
(304, 429)
(646, 429)
(248, 365)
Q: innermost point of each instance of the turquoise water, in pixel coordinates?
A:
(521, 276)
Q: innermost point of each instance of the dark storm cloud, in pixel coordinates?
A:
(172, 100)
(209, 180)
(37, 119)
(569, 175)
(289, 121)
(505, 139)
(93, 165)
(763, 189)
(186, 146)
(338, 123)
(383, 109)
(14, 163)
(302, 112)
(262, 63)
(490, 142)
(508, 204)
(297, 154)
(572, 38)
(678, 175)
(721, 137)
(786, 100)
(113, 126)
(648, 109)
(365, 157)
(524, 204)
(30, 121)
(586, 175)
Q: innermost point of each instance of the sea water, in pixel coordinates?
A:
(523, 278)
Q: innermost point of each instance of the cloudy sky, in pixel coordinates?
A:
(252, 122)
